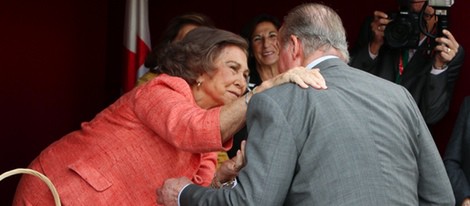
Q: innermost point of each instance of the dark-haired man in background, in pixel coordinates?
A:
(427, 67)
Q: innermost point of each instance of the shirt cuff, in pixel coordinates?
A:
(438, 71)
(372, 56)
(235, 183)
(179, 194)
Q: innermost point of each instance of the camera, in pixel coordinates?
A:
(403, 31)
(441, 8)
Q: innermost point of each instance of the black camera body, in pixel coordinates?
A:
(403, 31)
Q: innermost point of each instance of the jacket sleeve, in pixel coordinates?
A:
(168, 108)
(434, 187)
(360, 57)
(440, 89)
(205, 173)
(454, 154)
(266, 178)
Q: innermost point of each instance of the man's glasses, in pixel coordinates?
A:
(427, 16)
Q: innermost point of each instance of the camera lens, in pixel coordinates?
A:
(397, 34)
(402, 31)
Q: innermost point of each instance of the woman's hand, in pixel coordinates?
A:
(230, 168)
(377, 26)
(299, 75)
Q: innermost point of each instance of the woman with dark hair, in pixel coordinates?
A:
(261, 33)
(175, 31)
(171, 126)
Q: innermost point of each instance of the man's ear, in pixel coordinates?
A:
(296, 48)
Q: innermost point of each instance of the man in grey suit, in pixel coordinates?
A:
(361, 142)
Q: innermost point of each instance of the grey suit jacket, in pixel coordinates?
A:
(361, 142)
(457, 155)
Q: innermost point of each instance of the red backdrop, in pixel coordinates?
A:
(61, 62)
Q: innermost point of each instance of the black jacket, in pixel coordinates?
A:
(457, 155)
(431, 92)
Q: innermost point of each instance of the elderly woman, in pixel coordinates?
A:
(169, 127)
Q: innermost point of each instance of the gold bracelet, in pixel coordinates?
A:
(216, 184)
(229, 184)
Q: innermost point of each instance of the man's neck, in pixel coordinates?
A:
(318, 56)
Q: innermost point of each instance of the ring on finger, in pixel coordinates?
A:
(448, 50)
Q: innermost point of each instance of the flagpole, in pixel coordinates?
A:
(136, 41)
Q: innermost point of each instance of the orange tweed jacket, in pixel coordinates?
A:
(121, 157)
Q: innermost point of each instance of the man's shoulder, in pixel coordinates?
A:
(362, 76)
(284, 90)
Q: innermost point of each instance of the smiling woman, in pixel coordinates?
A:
(171, 126)
(261, 33)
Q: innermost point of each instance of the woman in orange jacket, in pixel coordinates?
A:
(170, 127)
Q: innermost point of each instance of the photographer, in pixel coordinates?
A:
(427, 67)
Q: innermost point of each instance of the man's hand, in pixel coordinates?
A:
(168, 193)
(446, 49)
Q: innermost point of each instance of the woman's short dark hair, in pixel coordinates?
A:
(171, 31)
(196, 53)
(249, 28)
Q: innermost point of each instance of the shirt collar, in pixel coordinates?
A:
(319, 60)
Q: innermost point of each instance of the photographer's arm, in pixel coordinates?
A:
(364, 53)
(377, 27)
(436, 101)
(446, 50)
